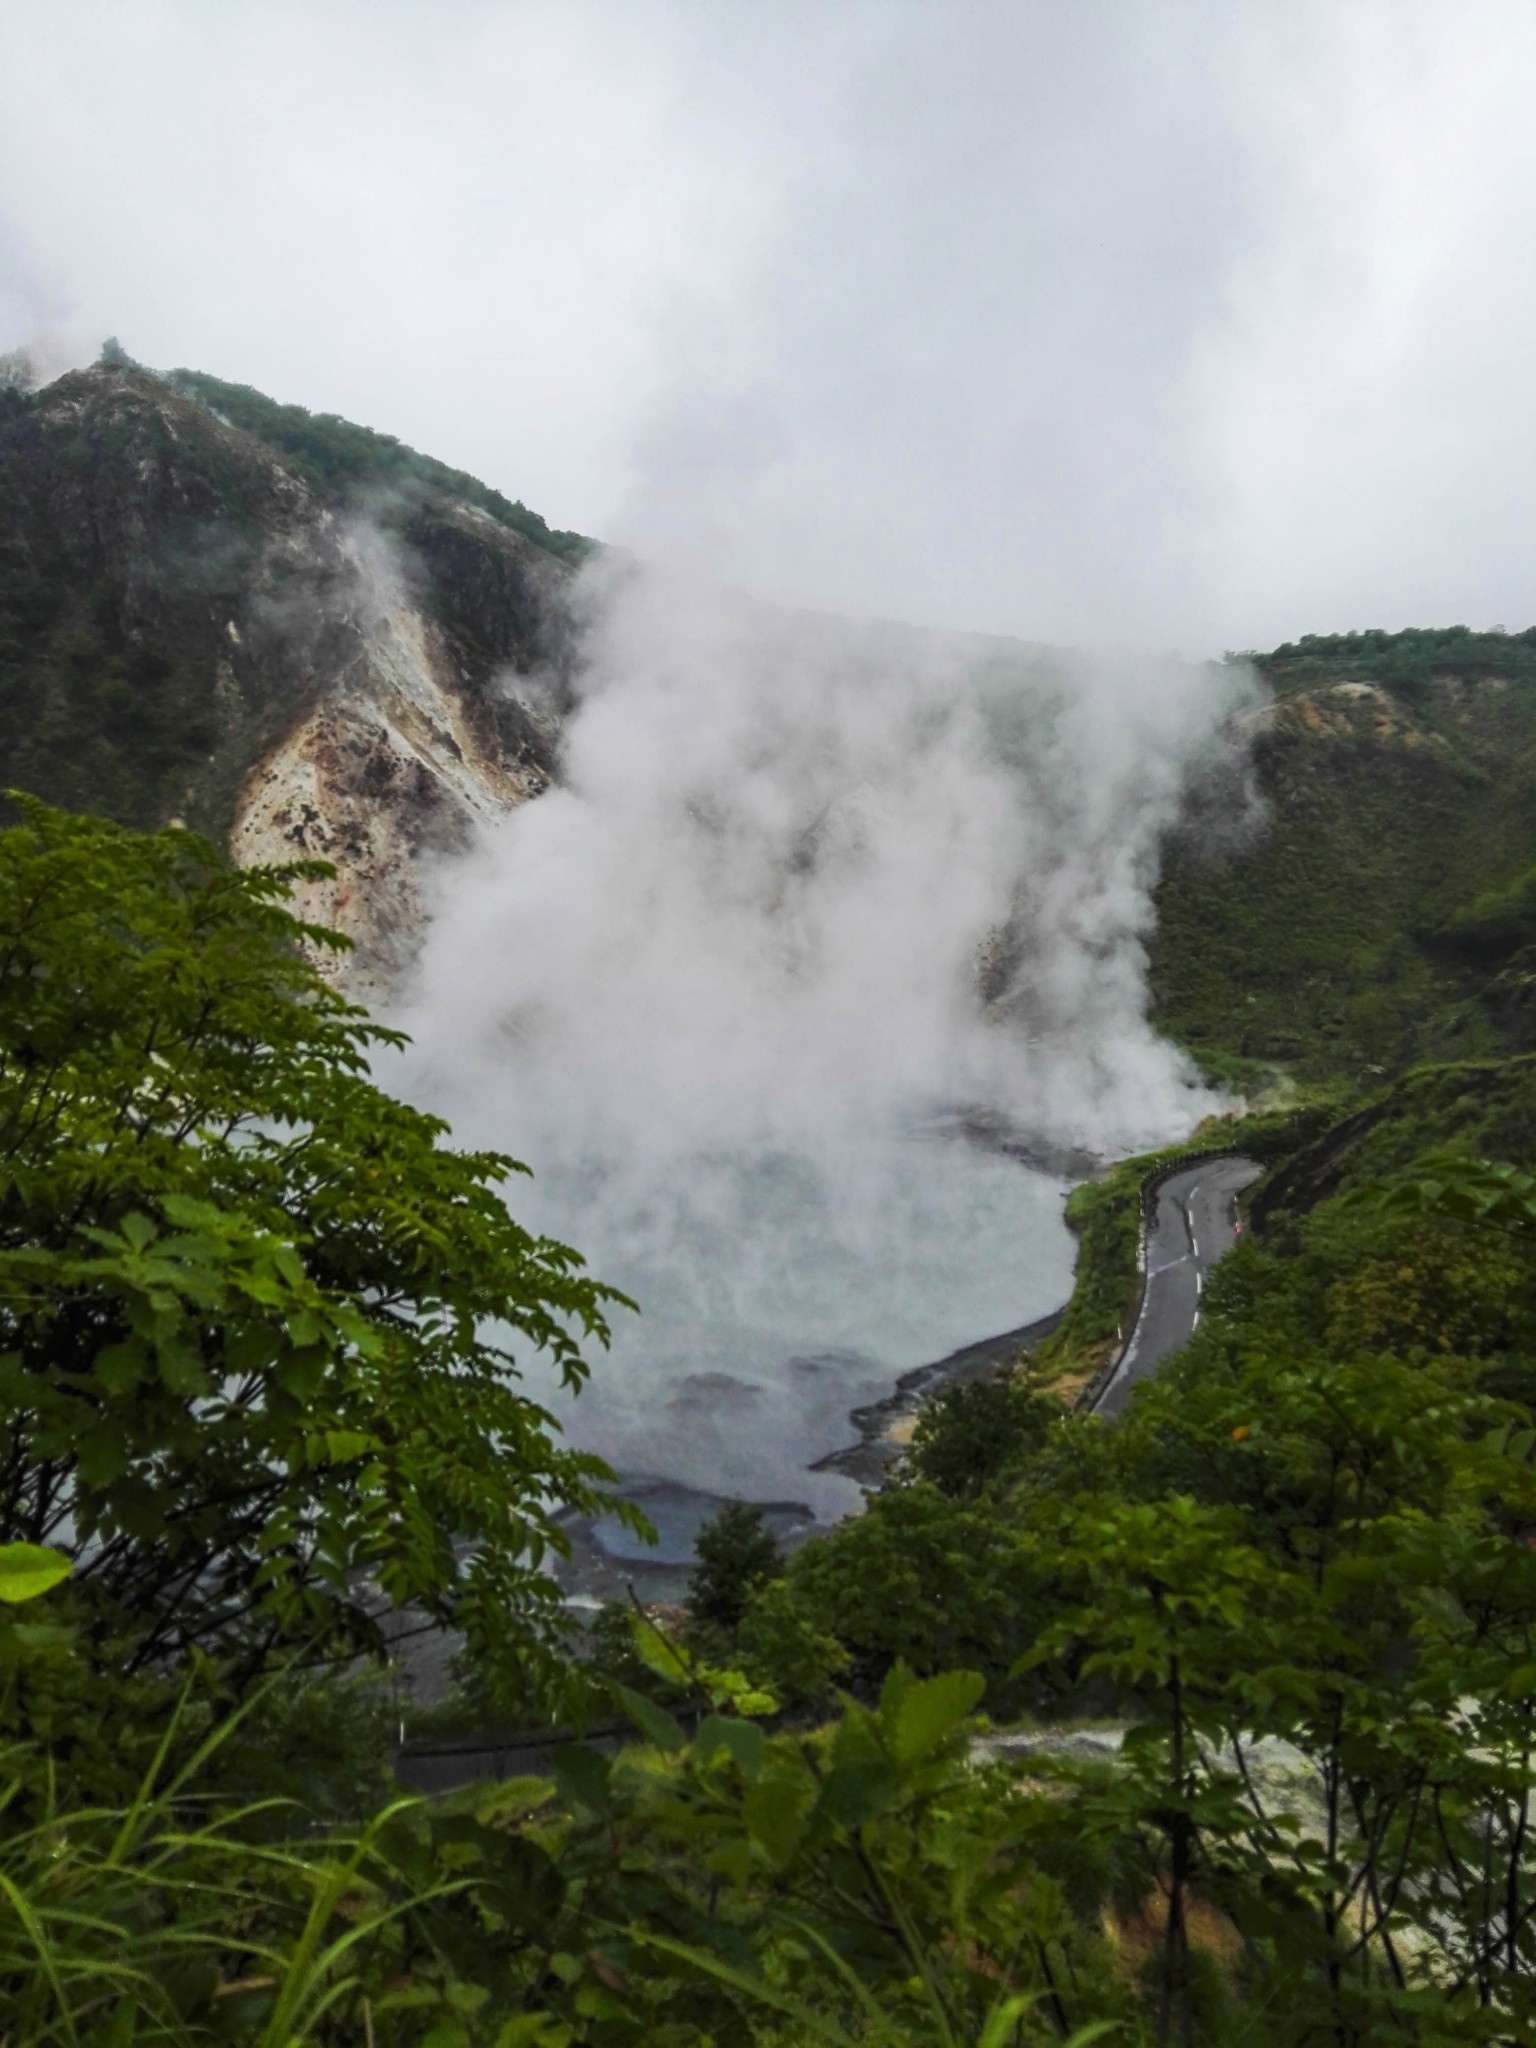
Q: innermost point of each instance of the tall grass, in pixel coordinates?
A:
(182, 1918)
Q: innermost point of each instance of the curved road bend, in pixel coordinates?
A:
(1196, 1221)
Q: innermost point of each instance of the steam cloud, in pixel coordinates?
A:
(811, 893)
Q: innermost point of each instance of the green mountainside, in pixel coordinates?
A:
(339, 459)
(1381, 906)
(170, 600)
(1410, 663)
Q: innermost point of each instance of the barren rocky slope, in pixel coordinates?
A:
(190, 630)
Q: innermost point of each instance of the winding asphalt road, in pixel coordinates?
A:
(1196, 1221)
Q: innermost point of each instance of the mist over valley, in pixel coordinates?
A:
(809, 895)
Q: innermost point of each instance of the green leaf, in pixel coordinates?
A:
(743, 1741)
(42, 1635)
(775, 1811)
(931, 1709)
(856, 1792)
(26, 1570)
(181, 1367)
(1519, 1684)
(345, 1446)
(582, 1776)
(1002, 2023)
(732, 1689)
(658, 1653)
(302, 1373)
(120, 1367)
(653, 1721)
(534, 2030)
(103, 1455)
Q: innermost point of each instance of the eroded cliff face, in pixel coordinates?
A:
(397, 757)
(188, 632)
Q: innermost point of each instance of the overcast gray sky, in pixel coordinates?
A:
(1184, 324)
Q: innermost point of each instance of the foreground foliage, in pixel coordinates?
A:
(246, 1380)
(249, 1403)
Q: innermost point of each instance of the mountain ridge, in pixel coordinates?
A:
(335, 455)
(190, 632)
(307, 640)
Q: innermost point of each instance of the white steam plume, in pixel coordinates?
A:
(810, 889)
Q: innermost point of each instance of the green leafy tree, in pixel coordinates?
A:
(970, 1434)
(260, 1326)
(1383, 1508)
(1475, 1643)
(1304, 1570)
(736, 1554)
(917, 1579)
(1170, 1596)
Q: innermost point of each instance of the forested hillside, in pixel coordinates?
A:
(1379, 906)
